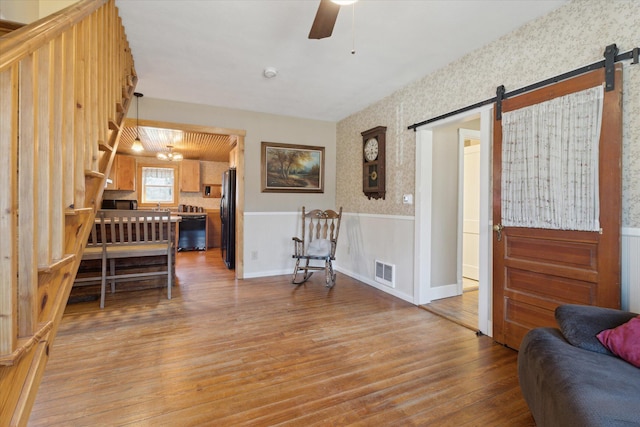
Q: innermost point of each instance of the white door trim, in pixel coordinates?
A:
(423, 190)
(423, 194)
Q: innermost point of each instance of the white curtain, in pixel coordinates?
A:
(157, 176)
(550, 163)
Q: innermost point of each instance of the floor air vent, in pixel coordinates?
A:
(386, 274)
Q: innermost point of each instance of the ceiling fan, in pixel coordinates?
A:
(326, 18)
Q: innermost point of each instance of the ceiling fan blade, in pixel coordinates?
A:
(325, 20)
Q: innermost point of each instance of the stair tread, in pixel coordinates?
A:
(74, 211)
(25, 343)
(103, 146)
(93, 174)
(56, 265)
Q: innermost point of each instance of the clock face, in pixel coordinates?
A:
(371, 149)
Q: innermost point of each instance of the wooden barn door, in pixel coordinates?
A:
(537, 269)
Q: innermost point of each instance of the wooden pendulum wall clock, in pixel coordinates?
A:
(373, 162)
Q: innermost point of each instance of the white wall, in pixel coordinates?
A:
(28, 11)
(363, 239)
(631, 269)
(47, 7)
(444, 226)
(270, 254)
(259, 127)
(21, 11)
(267, 230)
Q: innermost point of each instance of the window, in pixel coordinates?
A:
(158, 185)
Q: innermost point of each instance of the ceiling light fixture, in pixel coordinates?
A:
(344, 2)
(171, 156)
(137, 144)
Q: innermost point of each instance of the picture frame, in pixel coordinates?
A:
(291, 168)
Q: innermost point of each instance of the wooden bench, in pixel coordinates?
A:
(128, 234)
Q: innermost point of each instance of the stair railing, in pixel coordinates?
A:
(66, 83)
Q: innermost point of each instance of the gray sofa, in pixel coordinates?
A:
(569, 379)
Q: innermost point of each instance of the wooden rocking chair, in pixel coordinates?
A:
(320, 231)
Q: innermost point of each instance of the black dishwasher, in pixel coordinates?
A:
(192, 232)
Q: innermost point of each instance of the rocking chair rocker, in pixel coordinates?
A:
(320, 231)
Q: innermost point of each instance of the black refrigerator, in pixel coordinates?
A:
(228, 218)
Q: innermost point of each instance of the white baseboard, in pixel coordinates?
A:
(371, 283)
(374, 284)
(268, 273)
(471, 271)
(444, 291)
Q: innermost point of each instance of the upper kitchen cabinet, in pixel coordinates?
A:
(123, 173)
(190, 176)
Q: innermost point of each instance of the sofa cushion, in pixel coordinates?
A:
(581, 323)
(624, 341)
(567, 386)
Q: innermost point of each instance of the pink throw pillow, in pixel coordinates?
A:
(624, 341)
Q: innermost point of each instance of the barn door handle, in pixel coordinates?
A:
(498, 229)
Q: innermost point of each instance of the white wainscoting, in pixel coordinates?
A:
(267, 243)
(630, 269)
(365, 238)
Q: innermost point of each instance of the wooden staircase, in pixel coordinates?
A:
(66, 83)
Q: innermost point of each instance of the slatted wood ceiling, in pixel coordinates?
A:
(192, 145)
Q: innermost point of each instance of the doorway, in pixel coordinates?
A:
(229, 141)
(438, 245)
(463, 307)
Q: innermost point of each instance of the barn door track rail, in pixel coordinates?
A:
(611, 56)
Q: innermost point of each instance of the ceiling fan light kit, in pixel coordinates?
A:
(326, 17)
(171, 156)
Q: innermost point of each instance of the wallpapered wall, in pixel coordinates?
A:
(572, 36)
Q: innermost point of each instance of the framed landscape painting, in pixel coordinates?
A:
(289, 168)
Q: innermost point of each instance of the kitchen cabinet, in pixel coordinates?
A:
(211, 191)
(123, 173)
(213, 228)
(190, 176)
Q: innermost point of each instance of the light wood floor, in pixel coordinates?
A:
(461, 309)
(262, 352)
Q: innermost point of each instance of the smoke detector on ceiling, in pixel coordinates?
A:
(270, 72)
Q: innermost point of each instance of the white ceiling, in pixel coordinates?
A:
(213, 52)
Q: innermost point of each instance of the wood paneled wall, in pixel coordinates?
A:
(66, 83)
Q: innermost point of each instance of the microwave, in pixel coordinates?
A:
(120, 204)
